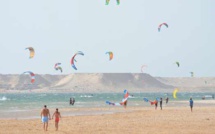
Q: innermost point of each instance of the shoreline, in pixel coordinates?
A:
(90, 111)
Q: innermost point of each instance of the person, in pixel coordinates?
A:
(72, 101)
(191, 104)
(167, 99)
(44, 117)
(156, 104)
(161, 103)
(213, 96)
(57, 118)
(125, 104)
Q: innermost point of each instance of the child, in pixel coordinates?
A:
(57, 118)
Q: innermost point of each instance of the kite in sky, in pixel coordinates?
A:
(159, 27)
(32, 76)
(32, 52)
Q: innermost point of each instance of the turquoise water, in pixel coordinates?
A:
(20, 102)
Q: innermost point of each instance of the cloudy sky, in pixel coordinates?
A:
(57, 29)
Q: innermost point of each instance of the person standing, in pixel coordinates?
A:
(167, 99)
(57, 118)
(156, 104)
(44, 117)
(161, 103)
(191, 104)
(70, 102)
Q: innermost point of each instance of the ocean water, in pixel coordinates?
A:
(18, 104)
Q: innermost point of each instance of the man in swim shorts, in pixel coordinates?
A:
(57, 118)
(44, 117)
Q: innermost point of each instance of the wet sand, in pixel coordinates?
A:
(133, 120)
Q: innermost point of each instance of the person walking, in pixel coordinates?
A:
(45, 117)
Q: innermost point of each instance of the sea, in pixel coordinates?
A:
(29, 105)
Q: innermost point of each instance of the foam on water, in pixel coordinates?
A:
(86, 96)
(4, 98)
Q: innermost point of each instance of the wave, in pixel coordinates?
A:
(208, 96)
(42, 95)
(132, 97)
(4, 98)
(86, 96)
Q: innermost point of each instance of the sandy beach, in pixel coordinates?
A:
(133, 120)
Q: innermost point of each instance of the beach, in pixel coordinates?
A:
(132, 120)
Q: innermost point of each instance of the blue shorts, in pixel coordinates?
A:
(45, 119)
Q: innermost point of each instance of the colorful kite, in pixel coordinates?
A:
(73, 59)
(151, 102)
(123, 102)
(32, 76)
(145, 99)
(32, 52)
(57, 66)
(159, 27)
(110, 55)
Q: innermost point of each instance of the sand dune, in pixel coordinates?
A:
(105, 82)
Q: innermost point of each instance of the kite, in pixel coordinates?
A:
(58, 67)
(142, 67)
(32, 76)
(107, 2)
(73, 59)
(118, 2)
(192, 74)
(159, 27)
(123, 102)
(110, 55)
(174, 93)
(177, 63)
(32, 52)
(151, 102)
(145, 99)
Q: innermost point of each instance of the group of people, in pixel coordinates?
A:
(45, 114)
(45, 117)
(161, 102)
(167, 99)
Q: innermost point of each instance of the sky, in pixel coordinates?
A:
(58, 29)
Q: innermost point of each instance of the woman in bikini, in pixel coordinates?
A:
(57, 118)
